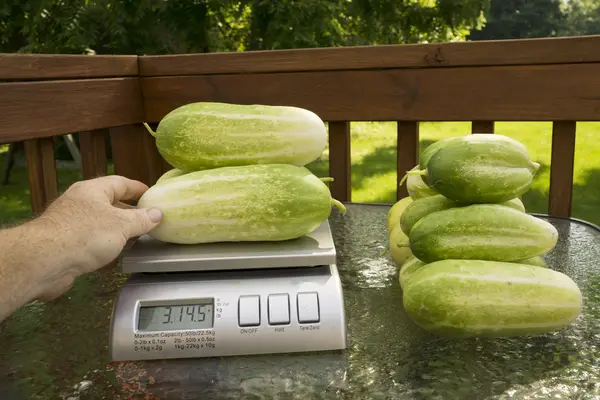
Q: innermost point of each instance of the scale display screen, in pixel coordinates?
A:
(176, 317)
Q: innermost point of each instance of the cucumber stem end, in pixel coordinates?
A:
(339, 205)
(149, 129)
(402, 180)
(422, 172)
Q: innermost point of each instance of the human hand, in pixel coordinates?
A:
(92, 223)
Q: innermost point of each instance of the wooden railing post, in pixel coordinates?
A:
(339, 160)
(561, 168)
(157, 164)
(93, 150)
(126, 142)
(482, 127)
(41, 172)
(407, 153)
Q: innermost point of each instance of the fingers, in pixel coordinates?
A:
(141, 221)
(115, 188)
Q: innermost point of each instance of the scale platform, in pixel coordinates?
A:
(150, 255)
(225, 299)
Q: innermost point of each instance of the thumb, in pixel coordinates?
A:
(142, 221)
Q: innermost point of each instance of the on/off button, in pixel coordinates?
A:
(249, 310)
(308, 307)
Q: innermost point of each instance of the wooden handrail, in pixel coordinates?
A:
(553, 79)
(64, 66)
(540, 51)
(42, 109)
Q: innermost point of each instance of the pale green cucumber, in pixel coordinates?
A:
(417, 188)
(408, 269)
(425, 206)
(396, 212)
(475, 298)
(480, 168)
(515, 203)
(206, 135)
(399, 246)
(481, 231)
(271, 202)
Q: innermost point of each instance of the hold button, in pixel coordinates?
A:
(308, 307)
(279, 309)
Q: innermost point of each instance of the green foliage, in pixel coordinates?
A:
(186, 26)
(582, 18)
(183, 26)
(519, 19)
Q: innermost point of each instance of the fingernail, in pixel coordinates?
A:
(155, 214)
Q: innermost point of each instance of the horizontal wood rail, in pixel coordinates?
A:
(482, 53)
(52, 66)
(509, 93)
(42, 109)
(108, 97)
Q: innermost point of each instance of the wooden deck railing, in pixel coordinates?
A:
(556, 80)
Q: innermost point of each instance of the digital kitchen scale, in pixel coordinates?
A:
(224, 299)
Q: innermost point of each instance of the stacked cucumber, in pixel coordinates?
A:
(472, 257)
(239, 174)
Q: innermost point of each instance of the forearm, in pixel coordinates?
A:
(29, 255)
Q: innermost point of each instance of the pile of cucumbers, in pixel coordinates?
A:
(469, 256)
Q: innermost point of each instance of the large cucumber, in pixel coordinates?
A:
(209, 135)
(462, 298)
(480, 168)
(481, 231)
(412, 264)
(425, 206)
(270, 202)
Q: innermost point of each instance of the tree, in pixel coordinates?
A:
(582, 18)
(519, 19)
(183, 26)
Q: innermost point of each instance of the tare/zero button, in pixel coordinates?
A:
(308, 308)
(249, 310)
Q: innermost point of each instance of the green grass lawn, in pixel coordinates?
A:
(374, 166)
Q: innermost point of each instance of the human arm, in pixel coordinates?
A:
(82, 230)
